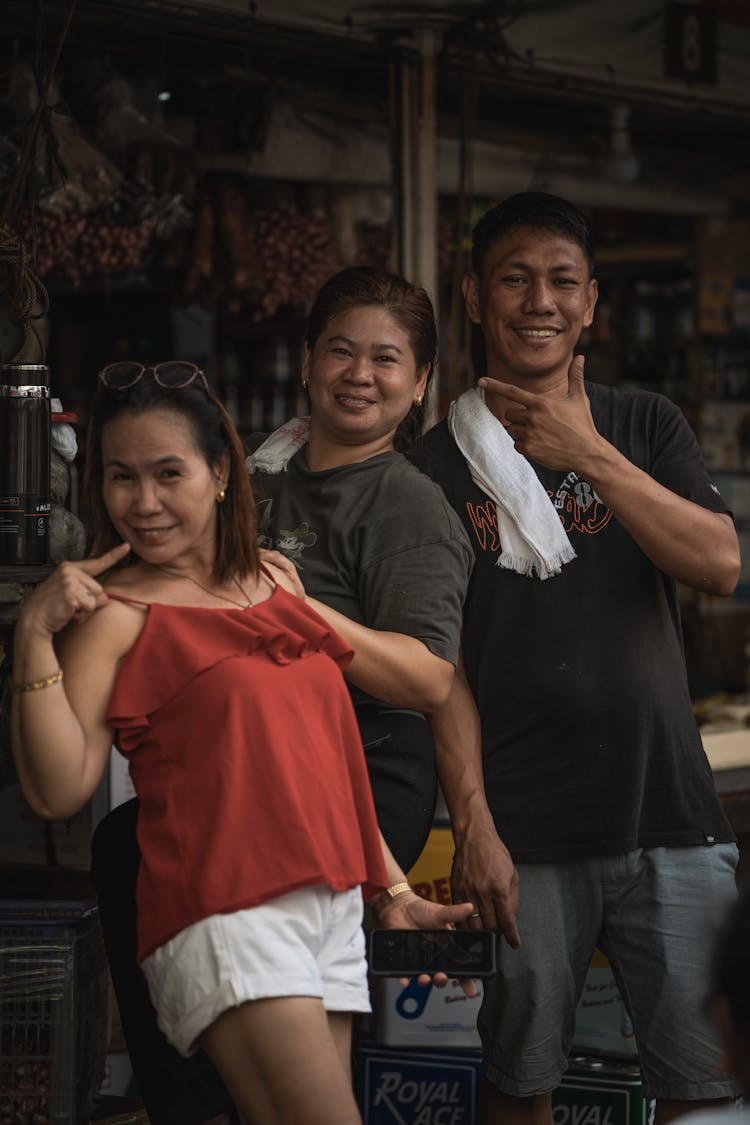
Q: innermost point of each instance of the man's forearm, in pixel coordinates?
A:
(456, 730)
(684, 540)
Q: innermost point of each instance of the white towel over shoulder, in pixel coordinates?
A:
(275, 453)
(532, 538)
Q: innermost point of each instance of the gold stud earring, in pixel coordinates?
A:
(221, 496)
(418, 400)
(304, 383)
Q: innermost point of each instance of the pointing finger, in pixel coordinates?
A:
(507, 390)
(104, 562)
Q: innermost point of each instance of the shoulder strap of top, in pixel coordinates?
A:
(269, 576)
(129, 601)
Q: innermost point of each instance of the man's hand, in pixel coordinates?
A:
(484, 873)
(556, 432)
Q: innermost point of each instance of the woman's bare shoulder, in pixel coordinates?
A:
(106, 635)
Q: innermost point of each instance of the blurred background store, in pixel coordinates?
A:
(199, 167)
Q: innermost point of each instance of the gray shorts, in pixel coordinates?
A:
(653, 913)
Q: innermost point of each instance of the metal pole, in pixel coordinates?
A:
(425, 203)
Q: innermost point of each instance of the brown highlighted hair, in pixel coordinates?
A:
(215, 436)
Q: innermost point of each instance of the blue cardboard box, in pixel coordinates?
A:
(408, 1087)
(603, 1026)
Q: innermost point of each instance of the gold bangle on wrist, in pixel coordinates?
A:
(37, 685)
(397, 889)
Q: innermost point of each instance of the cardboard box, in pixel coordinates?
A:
(396, 1087)
(118, 1074)
(431, 874)
(425, 1017)
(417, 1087)
(602, 1024)
(601, 1092)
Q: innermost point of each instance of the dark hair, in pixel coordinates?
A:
(410, 307)
(730, 976)
(539, 211)
(215, 436)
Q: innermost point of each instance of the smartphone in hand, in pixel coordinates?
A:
(408, 953)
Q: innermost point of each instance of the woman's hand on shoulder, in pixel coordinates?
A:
(283, 571)
(71, 593)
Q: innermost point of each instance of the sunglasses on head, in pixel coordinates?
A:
(171, 375)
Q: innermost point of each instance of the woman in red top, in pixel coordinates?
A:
(224, 690)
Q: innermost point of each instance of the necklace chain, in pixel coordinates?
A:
(213, 593)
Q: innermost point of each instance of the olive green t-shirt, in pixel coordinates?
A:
(376, 540)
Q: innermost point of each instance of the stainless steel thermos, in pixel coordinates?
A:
(25, 422)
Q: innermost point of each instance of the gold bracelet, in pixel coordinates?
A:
(397, 889)
(37, 685)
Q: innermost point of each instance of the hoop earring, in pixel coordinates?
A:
(221, 496)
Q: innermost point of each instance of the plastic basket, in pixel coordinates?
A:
(54, 1011)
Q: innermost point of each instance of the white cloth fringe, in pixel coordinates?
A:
(277, 450)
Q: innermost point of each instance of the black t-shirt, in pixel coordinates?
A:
(589, 740)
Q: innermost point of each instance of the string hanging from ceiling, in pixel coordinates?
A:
(19, 282)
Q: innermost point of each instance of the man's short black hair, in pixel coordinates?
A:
(539, 211)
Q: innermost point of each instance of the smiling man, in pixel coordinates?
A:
(581, 801)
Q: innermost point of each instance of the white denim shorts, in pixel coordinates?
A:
(307, 943)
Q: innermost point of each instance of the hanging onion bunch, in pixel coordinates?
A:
(297, 254)
(52, 235)
(108, 247)
(75, 246)
(252, 262)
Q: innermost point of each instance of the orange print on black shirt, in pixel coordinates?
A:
(576, 503)
(484, 522)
